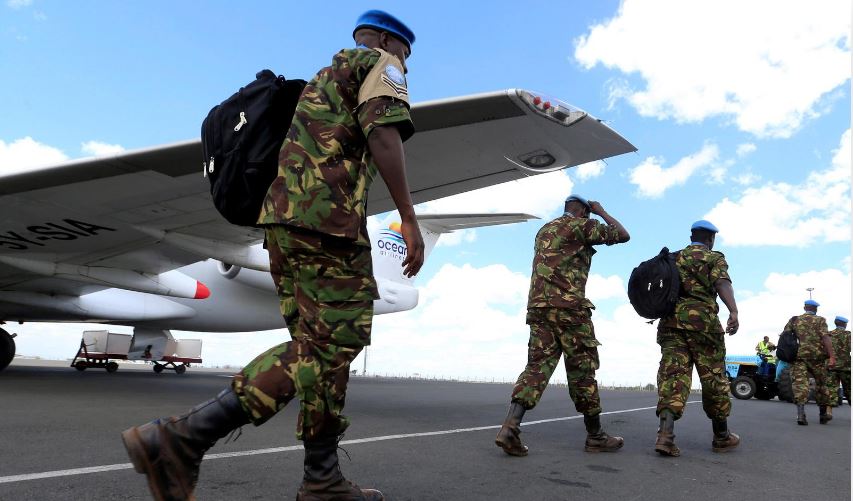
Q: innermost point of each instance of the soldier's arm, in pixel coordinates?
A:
(597, 209)
(827, 345)
(386, 146)
(727, 294)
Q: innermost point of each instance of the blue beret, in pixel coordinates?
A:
(579, 199)
(704, 224)
(811, 302)
(839, 318)
(384, 21)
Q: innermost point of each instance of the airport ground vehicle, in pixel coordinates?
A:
(752, 375)
(101, 349)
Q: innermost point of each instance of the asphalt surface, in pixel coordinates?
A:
(57, 422)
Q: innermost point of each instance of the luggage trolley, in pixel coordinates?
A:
(99, 349)
(184, 352)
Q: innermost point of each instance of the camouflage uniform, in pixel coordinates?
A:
(314, 215)
(558, 312)
(841, 372)
(811, 358)
(692, 334)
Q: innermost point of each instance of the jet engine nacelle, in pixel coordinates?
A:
(252, 278)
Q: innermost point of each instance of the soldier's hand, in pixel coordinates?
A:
(414, 247)
(831, 362)
(595, 208)
(732, 325)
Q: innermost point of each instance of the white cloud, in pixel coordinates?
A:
(768, 65)
(26, 154)
(815, 211)
(745, 149)
(653, 179)
(99, 149)
(590, 170)
(746, 178)
(599, 287)
(466, 236)
(542, 195)
(469, 324)
(18, 4)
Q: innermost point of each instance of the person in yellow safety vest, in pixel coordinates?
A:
(764, 347)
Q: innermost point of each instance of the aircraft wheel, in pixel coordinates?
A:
(158, 368)
(112, 367)
(81, 365)
(181, 369)
(7, 349)
(743, 388)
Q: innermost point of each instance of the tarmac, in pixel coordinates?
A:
(413, 439)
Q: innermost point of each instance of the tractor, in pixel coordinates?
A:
(753, 375)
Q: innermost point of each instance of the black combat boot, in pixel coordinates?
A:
(801, 415)
(323, 479)
(169, 450)
(825, 414)
(665, 445)
(724, 440)
(508, 437)
(596, 438)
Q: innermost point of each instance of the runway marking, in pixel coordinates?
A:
(275, 450)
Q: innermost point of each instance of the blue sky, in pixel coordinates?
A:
(736, 118)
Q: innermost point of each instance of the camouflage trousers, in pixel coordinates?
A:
(836, 378)
(800, 371)
(326, 290)
(680, 351)
(555, 332)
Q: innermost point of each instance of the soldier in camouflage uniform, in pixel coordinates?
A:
(559, 315)
(815, 348)
(692, 335)
(840, 337)
(349, 124)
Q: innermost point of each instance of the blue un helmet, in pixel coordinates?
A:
(383, 21)
(704, 224)
(578, 198)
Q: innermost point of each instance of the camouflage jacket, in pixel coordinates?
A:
(696, 310)
(841, 348)
(562, 257)
(325, 167)
(810, 330)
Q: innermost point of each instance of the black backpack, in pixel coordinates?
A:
(788, 346)
(241, 138)
(654, 285)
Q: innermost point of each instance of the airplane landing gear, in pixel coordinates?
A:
(7, 349)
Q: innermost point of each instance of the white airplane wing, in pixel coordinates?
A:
(129, 221)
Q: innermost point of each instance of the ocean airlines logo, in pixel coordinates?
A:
(391, 242)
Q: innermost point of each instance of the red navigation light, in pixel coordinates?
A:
(537, 100)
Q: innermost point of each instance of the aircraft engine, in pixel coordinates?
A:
(228, 271)
(252, 278)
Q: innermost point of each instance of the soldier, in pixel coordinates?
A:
(559, 315)
(350, 122)
(692, 335)
(815, 348)
(840, 337)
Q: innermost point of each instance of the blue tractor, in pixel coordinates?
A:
(755, 376)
